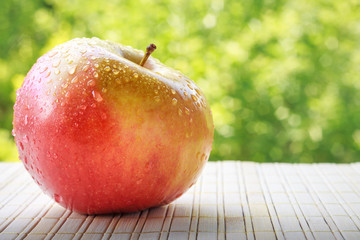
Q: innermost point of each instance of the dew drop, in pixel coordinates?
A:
(185, 93)
(13, 132)
(115, 71)
(173, 91)
(104, 90)
(194, 97)
(26, 120)
(136, 75)
(97, 96)
(82, 107)
(180, 112)
(72, 70)
(25, 139)
(107, 60)
(91, 83)
(174, 101)
(156, 91)
(76, 124)
(93, 105)
(96, 75)
(93, 58)
(96, 65)
(107, 69)
(83, 51)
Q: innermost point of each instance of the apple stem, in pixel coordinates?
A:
(149, 50)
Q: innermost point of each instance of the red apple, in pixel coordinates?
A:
(100, 133)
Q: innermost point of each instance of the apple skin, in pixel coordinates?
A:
(101, 134)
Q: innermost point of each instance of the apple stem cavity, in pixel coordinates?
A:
(149, 50)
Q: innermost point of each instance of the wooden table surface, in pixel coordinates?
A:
(232, 200)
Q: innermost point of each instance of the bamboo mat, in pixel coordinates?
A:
(232, 200)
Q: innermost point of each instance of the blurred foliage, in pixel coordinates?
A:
(282, 77)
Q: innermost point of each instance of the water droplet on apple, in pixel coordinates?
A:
(91, 83)
(83, 51)
(107, 60)
(85, 68)
(93, 58)
(93, 105)
(185, 93)
(26, 120)
(104, 90)
(56, 63)
(157, 99)
(136, 75)
(55, 156)
(57, 198)
(21, 145)
(53, 53)
(43, 69)
(62, 104)
(76, 124)
(107, 69)
(156, 91)
(96, 65)
(82, 107)
(97, 96)
(72, 70)
(115, 71)
(25, 139)
(173, 91)
(65, 85)
(174, 101)
(187, 111)
(96, 75)
(13, 132)
(194, 97)
(180, 112)
(74, 80)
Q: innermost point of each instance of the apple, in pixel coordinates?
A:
(101, 133)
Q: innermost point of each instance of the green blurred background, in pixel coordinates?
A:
(282, 77)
